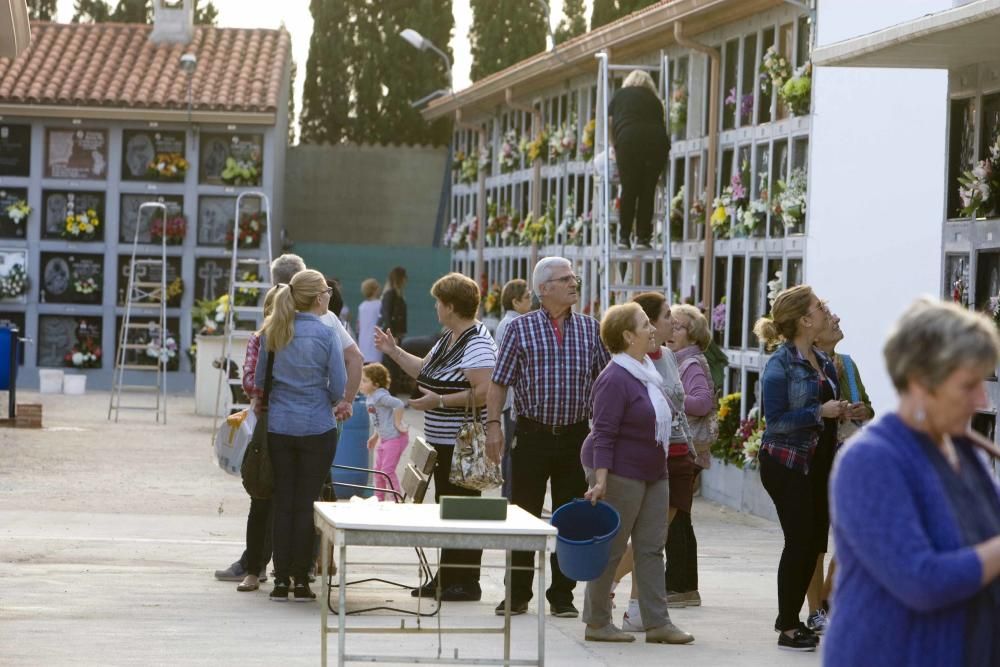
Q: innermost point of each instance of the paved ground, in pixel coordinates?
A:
(109, 535)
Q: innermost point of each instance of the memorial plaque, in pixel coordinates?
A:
(216, 216)
(13, 225)
(168, 345)
(76, 154)
(140, 148)
(151, 274)
(15, 150)
(57, 336)
(71, 278)
(956, 279)
(246, 152)
(14, 271)
(58, 204)
(211, 278)
(129, 215)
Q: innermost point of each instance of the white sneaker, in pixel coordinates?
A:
(632, 622)
(817, 622)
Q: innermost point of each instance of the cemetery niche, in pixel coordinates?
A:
(73, 215)
(152, 274)
(71, 278)
(76, 154)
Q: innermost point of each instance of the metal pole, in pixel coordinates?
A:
(602, 115)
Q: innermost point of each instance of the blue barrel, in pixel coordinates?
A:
(352, 450)
(585, 533)
(8, 360)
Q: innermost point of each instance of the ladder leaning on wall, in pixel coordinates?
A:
(249, 280)
(145, 298)
(625, 273)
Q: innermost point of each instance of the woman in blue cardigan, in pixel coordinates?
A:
(916, 511)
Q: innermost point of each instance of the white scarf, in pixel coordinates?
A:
(646, 373)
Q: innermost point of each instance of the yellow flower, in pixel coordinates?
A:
(719, 216)
(723, 411)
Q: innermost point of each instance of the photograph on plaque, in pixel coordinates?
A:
(14, 213)
(151, 274)
(71, 278)
(956, 279)
(216, 218)
(14, 320)
(230, 159)
(15, 150)
(71, 342)
(14, 283)
(151, 228)
(76, 154)
(153, 155)
(72, 215)
(156, 343)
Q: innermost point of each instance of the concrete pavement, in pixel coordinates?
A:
(109, 534)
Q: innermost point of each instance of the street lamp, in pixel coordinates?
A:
(421, 43)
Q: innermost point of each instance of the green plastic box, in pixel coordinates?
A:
(470, 507)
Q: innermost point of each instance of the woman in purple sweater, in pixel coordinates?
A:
(916, 511)
(624, 458)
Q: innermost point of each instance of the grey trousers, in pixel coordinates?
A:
(643, 508)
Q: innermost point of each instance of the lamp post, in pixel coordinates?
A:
(421, 43)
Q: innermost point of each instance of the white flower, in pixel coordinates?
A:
(77, 358)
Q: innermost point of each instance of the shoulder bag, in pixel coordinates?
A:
(471, 468)
(258, 475)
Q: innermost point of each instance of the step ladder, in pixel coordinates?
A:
(246, 297)
(144, 297)
(625, 273)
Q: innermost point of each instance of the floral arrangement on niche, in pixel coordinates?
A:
(175, 288)
(18, 212)
(85, 353)
(678, 108)
(562, 143)
(174, 230)
(251, 228)
(577, 234)
(492, 305)
(81, 226)
(161, 346)
(751, 446)
(244, 171)
(536, 232)
(797, 90)
(86, 285)
(538, 146)
(15, 283)
(167, 167)
(469, 171)
(719, 316)
(510, 152)
(457, 159)
(774, 287)
(209, 315)
(677, 215)
(977, 187)
(728, 446)
(247, 296)
(733, 201)
(486, 160)
(587, 141)
(698, 210)
(790, 199)
(745, 102)
(461, 234)
(774, 70)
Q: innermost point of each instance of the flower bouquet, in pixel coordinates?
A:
(510, 152)
(161, 349)
(167, 167)
(538, 146)
(720, 216)
(537, 231)
(678, 109)
(746, 105)
(978, 186)
(15, 283)
(209, 315)
(18, 212)
(247, 296)
(797, 89)
(790, 200)
(457, 159)
(578, 231)
(698, 211)
(719, 316)
(774, 287)
(510, 230)
(677, 215)
(729, 445)
(492, 305)
(242, 172)
(174, 230)
(587, 142)
(563, 142)
(86, 286)
(774, 70)
(469, 171)
(81, 226)
(86, 353)
(751, 446)
(251, 228)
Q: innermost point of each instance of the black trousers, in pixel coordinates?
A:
(468, 577)
(640, 163)
(682, 555)
(300, 463)
(259, 521)
(537, 460)
(793, 496)
(509, 424)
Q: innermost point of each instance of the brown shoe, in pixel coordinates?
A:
(249, 583)
(609, 633)
(668, 634)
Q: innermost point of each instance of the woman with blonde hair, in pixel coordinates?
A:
(368, 315)
(305, 363)
(916, 511)
(639, 137)
(801, 410)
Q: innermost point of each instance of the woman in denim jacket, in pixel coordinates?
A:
(801, 411)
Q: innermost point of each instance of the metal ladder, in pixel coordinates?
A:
(143, 296)
(260, 263)
(624, 273)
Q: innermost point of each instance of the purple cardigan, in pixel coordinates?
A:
(622, 438)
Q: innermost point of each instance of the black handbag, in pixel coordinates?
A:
(258, 475)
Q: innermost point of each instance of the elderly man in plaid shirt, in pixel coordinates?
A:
(550, 358)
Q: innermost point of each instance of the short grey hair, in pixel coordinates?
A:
(934, 338)
(543, 272)
(286, 266)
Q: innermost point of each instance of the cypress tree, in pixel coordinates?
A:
(574, 21)
(606, 11)
(41, 10)
(504, 32)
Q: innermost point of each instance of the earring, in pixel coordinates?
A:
(920, 415)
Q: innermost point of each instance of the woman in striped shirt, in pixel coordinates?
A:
(453, 379)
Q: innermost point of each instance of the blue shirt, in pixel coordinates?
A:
(308, 379)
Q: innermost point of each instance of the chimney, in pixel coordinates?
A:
(173, 21)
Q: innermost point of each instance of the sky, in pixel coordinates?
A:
(295, 16)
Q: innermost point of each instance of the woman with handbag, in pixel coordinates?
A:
(453, 379)
(301, 370)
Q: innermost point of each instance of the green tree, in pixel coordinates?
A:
(361, 75)
(41, 10)
(133, 11)
(574, 21)
(504, 32)
(606, 11)
(293, 71)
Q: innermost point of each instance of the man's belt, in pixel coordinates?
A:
(525, 425)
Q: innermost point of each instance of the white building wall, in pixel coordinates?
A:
(876, 186)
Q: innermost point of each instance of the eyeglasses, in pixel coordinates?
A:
(678, 326)
(329, 291)
(823, 305)
(567, 280)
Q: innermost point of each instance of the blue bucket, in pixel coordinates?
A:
(585, 533)
(352, 450)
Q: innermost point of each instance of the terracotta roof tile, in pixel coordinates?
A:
(115, 65)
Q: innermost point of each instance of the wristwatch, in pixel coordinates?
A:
(441, 401)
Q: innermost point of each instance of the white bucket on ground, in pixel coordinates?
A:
(50, 381)
(75, 385)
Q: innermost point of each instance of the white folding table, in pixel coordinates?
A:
(410, 525)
